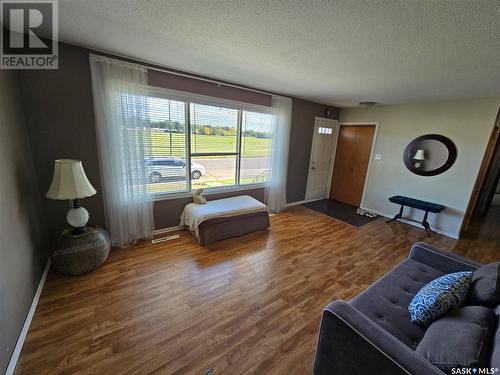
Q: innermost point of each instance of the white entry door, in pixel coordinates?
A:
(320, 165)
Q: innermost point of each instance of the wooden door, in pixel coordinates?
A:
(492, 147)
(351, 163)
(320, 163)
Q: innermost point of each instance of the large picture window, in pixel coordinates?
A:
(200, 145)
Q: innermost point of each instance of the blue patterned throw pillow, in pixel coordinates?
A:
(439, 296)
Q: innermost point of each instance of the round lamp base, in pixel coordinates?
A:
(77, 217)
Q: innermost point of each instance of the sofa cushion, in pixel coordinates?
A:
(459, 339)
(385, 302)
(494, 355)
(485, 287)
(439, 296)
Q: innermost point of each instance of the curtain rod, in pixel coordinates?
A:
(169, 70)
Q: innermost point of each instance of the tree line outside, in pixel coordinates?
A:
(224, 131)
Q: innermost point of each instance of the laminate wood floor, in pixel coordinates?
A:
(249, 305)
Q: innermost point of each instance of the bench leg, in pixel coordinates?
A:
(425, 224)
(398, 215)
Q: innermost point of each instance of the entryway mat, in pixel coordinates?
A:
(340, 211)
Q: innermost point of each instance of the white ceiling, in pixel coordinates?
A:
(334, 52)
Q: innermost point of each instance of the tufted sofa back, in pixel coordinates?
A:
(495, 344)
(386, 302)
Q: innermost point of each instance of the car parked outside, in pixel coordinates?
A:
(172, 168)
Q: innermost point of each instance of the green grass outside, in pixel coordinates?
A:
(250, 146)
(169, 187)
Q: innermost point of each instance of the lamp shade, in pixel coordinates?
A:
(419, 155)
(69, 181)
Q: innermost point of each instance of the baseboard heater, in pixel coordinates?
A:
(166, 238)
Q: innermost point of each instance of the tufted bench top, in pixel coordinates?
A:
(417, 203)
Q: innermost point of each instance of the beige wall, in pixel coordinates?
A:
(468, 123)
(22, 230)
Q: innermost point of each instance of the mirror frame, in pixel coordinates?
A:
(447, 142)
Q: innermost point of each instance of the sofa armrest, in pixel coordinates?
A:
(350, 343)
(442, 260)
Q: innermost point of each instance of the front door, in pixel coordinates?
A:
(320, 163)
(354, 147)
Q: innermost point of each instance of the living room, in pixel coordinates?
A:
(228, 187)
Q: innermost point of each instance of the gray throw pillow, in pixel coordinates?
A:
(485, 287)
(460, 339)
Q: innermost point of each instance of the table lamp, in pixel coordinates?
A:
(70, 182)
(419, 157)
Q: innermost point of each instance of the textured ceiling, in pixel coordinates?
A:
(335, 52)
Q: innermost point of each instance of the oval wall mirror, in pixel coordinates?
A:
(430, 155)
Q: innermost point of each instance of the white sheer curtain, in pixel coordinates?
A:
(121, 113)
(276, 192)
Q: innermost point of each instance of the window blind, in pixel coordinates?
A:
(167, 130)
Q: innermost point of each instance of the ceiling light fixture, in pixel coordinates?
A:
(367, 105)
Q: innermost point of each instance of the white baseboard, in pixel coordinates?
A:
(390, 216)
(26, 326)
(304, 201)
(166, 230)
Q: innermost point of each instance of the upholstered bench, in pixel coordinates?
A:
(225, 218)
(416, 203)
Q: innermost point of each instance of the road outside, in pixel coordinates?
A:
(220, 171)
(224, 169)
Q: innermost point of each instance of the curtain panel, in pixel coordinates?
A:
(276, 190)
(124, 142)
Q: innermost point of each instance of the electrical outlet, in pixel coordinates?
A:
(378, 156)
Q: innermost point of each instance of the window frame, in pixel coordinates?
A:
(189, 98)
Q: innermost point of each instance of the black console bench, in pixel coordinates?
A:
(416, 203)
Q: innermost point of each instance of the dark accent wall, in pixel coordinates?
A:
(176, 82)
(303, 116)
(60, 119)
(23, 245)
(61, 125)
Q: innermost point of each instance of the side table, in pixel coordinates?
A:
(77, 254)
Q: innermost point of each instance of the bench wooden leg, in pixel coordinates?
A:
(398, 215)
(425, 224)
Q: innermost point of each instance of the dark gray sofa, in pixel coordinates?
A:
(373, 334)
